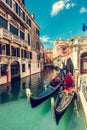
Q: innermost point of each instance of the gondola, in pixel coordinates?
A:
(48, 92)
(54, 86)
(62, 103)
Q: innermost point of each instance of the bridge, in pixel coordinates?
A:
(48, 64)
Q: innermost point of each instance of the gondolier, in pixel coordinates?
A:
(68, 82)
(64, 98)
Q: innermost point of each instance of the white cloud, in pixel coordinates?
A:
(69, 5)
(83, 10)
(60, 5)
(44, 38)
(57, 6)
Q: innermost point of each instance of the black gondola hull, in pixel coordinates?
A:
(59, 114)
(35, 101)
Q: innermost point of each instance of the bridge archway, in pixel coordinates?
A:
(69, 66)
(83, 63)
(15, 70)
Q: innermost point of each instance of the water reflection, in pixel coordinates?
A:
(17, 88)
(43, 113)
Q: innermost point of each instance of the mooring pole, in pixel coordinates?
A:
(7, 77)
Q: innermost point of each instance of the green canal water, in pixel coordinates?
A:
(17, 114)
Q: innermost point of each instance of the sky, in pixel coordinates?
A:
(58, 19)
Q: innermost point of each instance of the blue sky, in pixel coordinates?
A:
(58, 19)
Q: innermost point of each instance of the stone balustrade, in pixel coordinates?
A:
(83, 86)
(13, 38)
(5, 34)
(83, 93)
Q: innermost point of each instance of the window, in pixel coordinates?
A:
(28, 39)
(3, 49)
(13, 51)
(3, 69)
(22, 53)
(0, 48)
(17, 8)
(14, 6)
(7, 49)
(21, 13)
(7, 1)
(11, 3)
(23, 67)
(38, 57)
(63, 49)
(27, 54)
(13, 29)
(29, 22)
(23, 16)
(37, 46)
(29, 65)
(26, 19)
(22, 35)
(37, 32)
(23, 1)
(30, 55)
(3, 23)
(18, 52)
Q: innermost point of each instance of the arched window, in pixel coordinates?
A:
(69, 66)
(83, 63)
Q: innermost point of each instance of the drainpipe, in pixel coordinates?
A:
(7, 78)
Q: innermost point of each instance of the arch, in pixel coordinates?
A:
(69, 66)
(83, 63)
(15, 70)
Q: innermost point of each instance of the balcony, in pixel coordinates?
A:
(25, 44)
(16, 40)
(5, 34)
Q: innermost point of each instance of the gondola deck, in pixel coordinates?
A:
(62, 103)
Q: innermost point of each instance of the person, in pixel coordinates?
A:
(68, 82)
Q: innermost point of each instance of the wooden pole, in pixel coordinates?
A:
(7, 77)
(76, 81)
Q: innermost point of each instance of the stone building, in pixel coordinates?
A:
(48, 58)
(62, 54)
(21, 52)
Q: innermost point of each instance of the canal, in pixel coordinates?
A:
(17, 114)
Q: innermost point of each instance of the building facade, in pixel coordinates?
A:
(48, 58)
(21, 52)
(61, 52)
